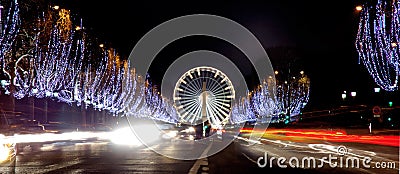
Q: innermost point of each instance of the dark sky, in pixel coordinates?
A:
(322, 35)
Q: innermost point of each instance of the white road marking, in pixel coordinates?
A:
(202, 161)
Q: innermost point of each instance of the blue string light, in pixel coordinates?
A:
(60, 68)
(378, 42)
(7, 38)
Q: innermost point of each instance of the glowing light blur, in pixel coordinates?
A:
(149, 133)
(170, 134)
(4, 152)
(124, 136)
(325, 135)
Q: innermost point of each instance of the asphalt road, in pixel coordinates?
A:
(99, 156)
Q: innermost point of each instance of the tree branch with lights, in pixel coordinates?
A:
(378, 42)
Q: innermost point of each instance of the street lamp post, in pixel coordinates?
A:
(353, 95)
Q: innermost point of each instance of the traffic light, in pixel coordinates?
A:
(389, 119)
(287, 119)
(390, 104)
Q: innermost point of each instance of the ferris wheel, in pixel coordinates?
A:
(204, 93)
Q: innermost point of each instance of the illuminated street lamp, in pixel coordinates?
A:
(377, 90)
(101, 45)
(353, 94)
(56, 7)
(359, 8)
(344, 96)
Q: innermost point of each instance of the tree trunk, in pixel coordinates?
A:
(32, 101)
(45, 111)
(83, 111)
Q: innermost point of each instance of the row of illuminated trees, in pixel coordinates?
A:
(47, 53)
(278, 99)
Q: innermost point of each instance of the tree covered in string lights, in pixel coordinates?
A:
(378, 42)
(156, 107)
(242, 111)
(9, 28)
(293, 94)
(58, 59)
(263, 99)
(274, 100)
(281, 99)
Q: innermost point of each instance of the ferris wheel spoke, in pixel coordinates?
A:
(185, 92)
(186, 114)
(188, 85)
(183, 115)
(187, 103)
(191, 89)
(197, 89)
(196, 114)
(223, 100)
(218, 89)
(225, 107)
(187, 97)
(183, 108)
(219, 111)
(213, 84)
(224, 97)
(219, 93)
(190, 103)
(213, 89)
(193, 119)
(192, 108)
(188, 92)
(210, 113)
(217, 104)
(198, 84)
(224, 93)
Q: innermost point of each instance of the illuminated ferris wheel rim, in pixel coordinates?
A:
(188, 95)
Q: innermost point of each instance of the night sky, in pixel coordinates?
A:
(322, 36)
